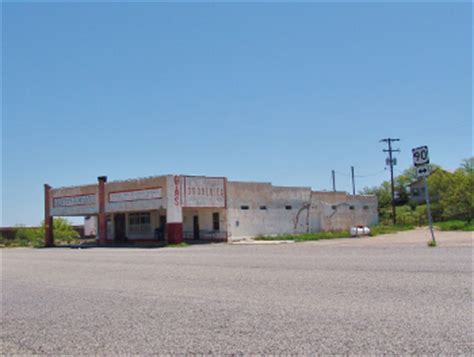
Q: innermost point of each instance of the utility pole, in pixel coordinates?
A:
(353, 181)
(333, 180)
(390, 151)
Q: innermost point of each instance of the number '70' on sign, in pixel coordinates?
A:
(420, 156)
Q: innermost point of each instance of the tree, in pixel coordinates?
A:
(458, 201)
(34, 236)
(467, 165)
(403, 181)
(382, 192)
(62, 230)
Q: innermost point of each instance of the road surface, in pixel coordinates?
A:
(388, 294)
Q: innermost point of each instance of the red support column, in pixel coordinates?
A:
(48, 219)
(175, 233)
(102, 218)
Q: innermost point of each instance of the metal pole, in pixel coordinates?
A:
(333, 181)
(427, 195)
(353, 181)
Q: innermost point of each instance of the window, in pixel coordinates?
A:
(415, 192)
(215, 221)
(334, 207)
(244, 207)
(366, 207)
(263, 207)
(139, 222)
(288, 207)
(351, 207)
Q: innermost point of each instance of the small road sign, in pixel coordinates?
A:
(421, 161)
(420, 156)
(422, 171)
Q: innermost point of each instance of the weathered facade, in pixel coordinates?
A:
(177, 207)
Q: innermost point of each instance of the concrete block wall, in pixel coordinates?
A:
(291, 210)
(271, 210)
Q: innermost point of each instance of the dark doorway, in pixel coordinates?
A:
(196, 227)
(162, 228)
(163, 223)
(119, 227)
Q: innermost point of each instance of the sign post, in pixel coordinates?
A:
(421, 160)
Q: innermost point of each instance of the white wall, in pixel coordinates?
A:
(310, 211)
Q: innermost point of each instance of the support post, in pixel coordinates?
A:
(174, 211)
(102, 217)
(353, 181)
(333, 180)
(430, 220)
(48, 219)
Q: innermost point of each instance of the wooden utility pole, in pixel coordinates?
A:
(390, 151)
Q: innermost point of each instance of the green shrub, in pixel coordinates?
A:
(455, 225)
(63, 231)
(28, 237)
(308, 236)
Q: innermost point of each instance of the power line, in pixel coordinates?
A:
(362, 176)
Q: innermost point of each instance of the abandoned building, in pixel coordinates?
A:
(174, 208)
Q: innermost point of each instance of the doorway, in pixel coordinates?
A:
(162, 228)
(196, 227)
(119, 227)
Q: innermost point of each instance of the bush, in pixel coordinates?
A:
(308, 236)
(63, 231)
(29, 237)
(455, 225)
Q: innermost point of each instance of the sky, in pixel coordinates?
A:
(273, 92)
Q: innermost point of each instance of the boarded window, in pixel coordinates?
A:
(139, 222)
(215, 221)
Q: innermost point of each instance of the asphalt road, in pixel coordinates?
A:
(388, 294)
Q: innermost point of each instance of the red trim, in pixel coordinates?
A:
(102, 216)
(78, 195)
(174, 232)
(207, 207)
(135, 190)
(48, 219)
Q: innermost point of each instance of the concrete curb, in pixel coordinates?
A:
(262, 242)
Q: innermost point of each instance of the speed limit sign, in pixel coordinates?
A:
(420, 156)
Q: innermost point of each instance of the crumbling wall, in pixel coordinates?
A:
(339, 211)
(256, 209)
(262, 209)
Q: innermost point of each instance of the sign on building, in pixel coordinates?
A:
(204, 191)
(135, 195)
(74, 201)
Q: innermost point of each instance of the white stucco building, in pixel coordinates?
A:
(180, 207)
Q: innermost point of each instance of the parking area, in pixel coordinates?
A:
(389, 294)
